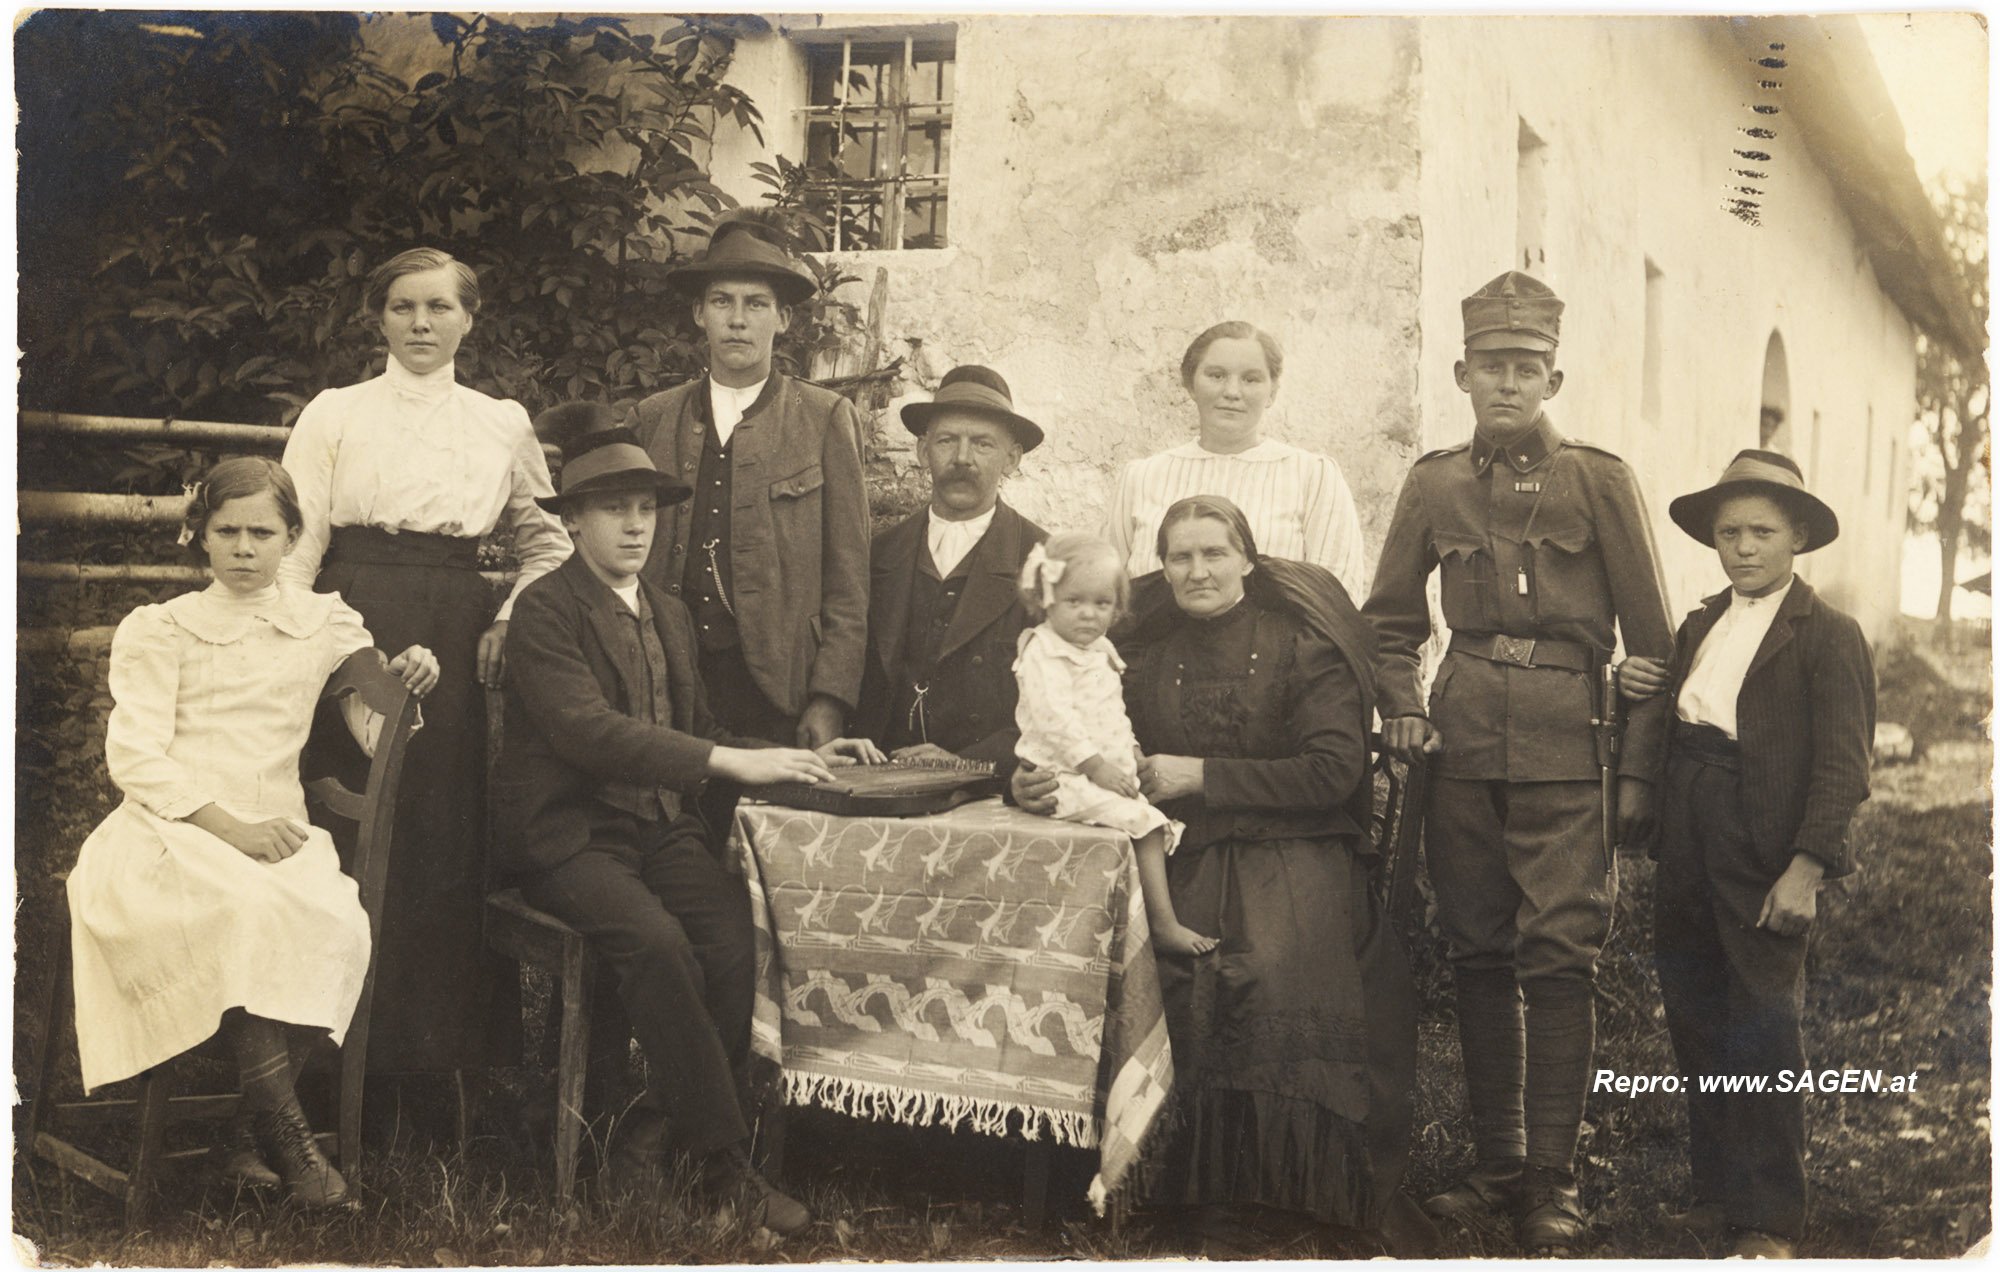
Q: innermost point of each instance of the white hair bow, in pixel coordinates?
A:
(1042, 572)
(193, 492)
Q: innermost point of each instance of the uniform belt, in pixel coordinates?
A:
(377, 546)
(1706, 744)
(1522, 651)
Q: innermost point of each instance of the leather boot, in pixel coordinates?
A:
(1490, 1188)
(290, 1147)
(638, 1153)
(1552, 1223)
(730, 1174)
(242, 1161)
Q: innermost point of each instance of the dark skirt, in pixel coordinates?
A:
(1294, 1044)
(442, 1002)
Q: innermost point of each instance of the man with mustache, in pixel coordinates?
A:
(770, 553)
(944, 613)
(1541, 545)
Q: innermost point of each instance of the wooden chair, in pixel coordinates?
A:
(1396, 829)
(534, 939)
(155, 1105)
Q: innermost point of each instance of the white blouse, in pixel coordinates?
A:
(1297, 502)
(405, 451)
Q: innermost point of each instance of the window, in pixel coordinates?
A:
(878, 138)
(1773, 431)
(1531, 200)
(1649, 367)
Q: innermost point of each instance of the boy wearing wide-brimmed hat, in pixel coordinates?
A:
(608, 736)
(771, 554)
(1773, 698)
(944, 611)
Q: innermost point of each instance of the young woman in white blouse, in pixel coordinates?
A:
(399, 478)
(1298, 502)
(206, 902)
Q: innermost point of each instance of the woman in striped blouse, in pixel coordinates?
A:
(1297, 502)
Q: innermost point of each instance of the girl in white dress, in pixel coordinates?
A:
(1072, 717)
(205, 902)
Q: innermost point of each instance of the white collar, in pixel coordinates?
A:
(1050, 640)
(421, 386)
(972, 527)
(1266, 451)
(740, 398)
(221, 617)
(1752, 604)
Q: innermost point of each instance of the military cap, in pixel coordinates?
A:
(1514, 311)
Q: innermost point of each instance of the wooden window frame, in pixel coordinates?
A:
(895, 116)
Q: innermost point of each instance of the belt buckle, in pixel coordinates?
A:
(1513, 649)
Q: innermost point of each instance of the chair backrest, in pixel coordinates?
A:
(1395, 827)
(373, 810)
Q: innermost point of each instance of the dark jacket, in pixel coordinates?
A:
(1805, 720)
(798, 538)
(970, 706)
(574, 670)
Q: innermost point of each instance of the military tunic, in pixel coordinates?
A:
(1543, 540)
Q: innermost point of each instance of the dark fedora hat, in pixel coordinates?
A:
(1757, 472)
(973, 390)
(611, 460)
(746, 247)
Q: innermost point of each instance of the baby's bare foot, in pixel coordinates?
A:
(1174, 938)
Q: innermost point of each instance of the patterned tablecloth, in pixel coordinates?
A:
(983, 967)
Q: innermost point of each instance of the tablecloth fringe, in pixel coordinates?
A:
(880, 1101)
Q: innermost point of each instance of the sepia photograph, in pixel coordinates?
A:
(751, 637)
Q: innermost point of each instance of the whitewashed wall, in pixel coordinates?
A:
(1640, 119)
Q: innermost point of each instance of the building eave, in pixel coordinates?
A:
(1834, 95)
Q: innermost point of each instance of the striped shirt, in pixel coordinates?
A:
(1297, 502)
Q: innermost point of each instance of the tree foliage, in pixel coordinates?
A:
(1952, 493)
(264, 163)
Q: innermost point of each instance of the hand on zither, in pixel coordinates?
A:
(850, 751)
(760, 766)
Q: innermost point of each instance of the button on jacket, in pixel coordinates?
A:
(798, 530)
(1544, 539)
(969, 706)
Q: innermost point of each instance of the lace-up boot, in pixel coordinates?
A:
(242, 1160)
(290, 1147)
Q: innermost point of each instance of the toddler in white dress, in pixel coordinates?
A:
(1072, 717)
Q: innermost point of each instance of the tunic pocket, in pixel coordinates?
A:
(799, 484)
(1466, 581)
(1566, 575)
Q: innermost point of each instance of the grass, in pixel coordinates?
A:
(1899, 978)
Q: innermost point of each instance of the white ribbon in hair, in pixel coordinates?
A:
(1042, 572)
(193, 491)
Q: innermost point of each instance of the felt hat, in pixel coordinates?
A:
(973, 390)
(1514, 311)
(1757, 472)
(609, 460)
(748, 248)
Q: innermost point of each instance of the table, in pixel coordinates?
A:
(982, 967)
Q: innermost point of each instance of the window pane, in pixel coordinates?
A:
(925, 147)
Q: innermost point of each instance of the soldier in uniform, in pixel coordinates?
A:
(1542, 546)
(944, 610)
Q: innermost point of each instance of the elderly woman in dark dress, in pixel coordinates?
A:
(1294, 1043)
